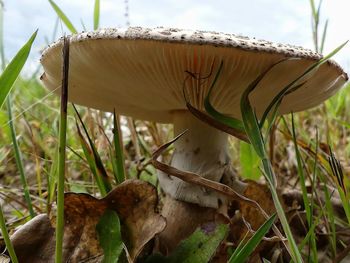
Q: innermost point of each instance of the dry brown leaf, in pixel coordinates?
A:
(261, 194)
(137, 210)
(134, 201)
(252, 218)
(35, 240)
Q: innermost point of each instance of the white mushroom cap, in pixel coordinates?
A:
(140, 71)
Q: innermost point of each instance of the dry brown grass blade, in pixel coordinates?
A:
(194, 178)
(218, 125)
(206, 118)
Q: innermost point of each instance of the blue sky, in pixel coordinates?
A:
(286, 21)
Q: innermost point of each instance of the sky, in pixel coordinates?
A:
(285, 21)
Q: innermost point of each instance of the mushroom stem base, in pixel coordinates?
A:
(182, 220)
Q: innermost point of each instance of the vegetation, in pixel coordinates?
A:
(44, 152)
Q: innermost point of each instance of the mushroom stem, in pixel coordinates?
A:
(202, 150)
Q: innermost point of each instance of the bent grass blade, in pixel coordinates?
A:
(7, 79)
(63, 17)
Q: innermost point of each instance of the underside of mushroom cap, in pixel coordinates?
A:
(141, 72)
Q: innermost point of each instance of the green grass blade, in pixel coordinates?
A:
(242, 254)
(19, 159)
(98, 162)
(18, 154)
(330, 216)
(83, 25)
(52, 178)
(313, 189)
(313, 9)
(63, 17)
(290, 86)
(271, 115)
(13, 69)
(301, 175)
(338, 174)
(62, 154)
(249, 162)
(324, 34)
(216, 124)
(315, 22)
(2, 50)
(250, 121)
(292, 246)
(96, 14)
(90, 160)
(307, 237)
(231, 122)
(253, 131)
(271, 121)
(302, 180)
(3, 227)
(6, 237)
(118, 147)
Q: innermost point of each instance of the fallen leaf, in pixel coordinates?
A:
(135, 203)
(35, 240)
(261, 194)
(252, 218)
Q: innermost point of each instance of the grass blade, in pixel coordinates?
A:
(11, 72)
(7, 79)
(228, 121)
(250, 121)
(242, 254)
(249, 162)
(253, 131)
(301, 174)
(216, 124)
(290, 86)
(302, 180)
(18, 155)
(339, 176)
(96, 14)
(62, 153)
(118, 147)
(324, 34)
(329, 212)
(98, 162)
(52, 178)
(90, 160)
(6, 237)
(63, 17)
(19, 159)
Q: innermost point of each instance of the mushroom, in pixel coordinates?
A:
(140, 73)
